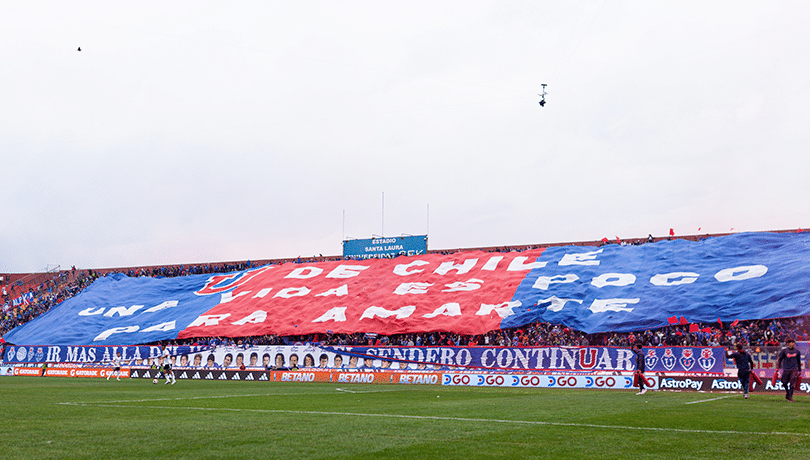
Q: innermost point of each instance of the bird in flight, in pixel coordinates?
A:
(80, 48)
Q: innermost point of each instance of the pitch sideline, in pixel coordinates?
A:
(452, 419)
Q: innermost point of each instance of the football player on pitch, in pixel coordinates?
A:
(166, 369)
(116, 367)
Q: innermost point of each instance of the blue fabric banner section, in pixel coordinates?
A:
(134, 355)
(119, 310)
(617, 288)
(657, 359)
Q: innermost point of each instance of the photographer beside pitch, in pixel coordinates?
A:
(790, 361)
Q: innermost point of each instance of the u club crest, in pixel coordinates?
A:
(706, 360)
(651, 359)
(687, 359)
(669, 360)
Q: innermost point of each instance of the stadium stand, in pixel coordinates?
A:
(26, 296)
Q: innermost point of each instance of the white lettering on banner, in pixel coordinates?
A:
(544, 281)
(723, 384)
(464, 357)
(625, 360)
(209, 320)
(228, 296)
(53, 354)
(262, 293)
(287, 293)
(524, 356)
(486, 359)
(448, 309)
(305, 272)
(603, 305)
(613, 279)
(123, 311)
(335, 314)
(518, 263)
(400, 313)
(492, 263)
(116, 330)
(365, 377)
(583, 258)
(297, 377)
(469, 285)
(447, 355)
(557, 304)
(746, 272)
(258, 316)
(346, 271)
(402, 269)
(667, 279)
(339, 291)
(562, 358)
(604, 360)
(688, 383)
(419, 379)
(502, 309)
(167, 326)
(162, 306)
(460, 269)
(412, 288)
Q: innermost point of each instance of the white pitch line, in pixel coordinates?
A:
(707, 400)
(191, 398)
(345, 391)
(461, 419)
(222, 397)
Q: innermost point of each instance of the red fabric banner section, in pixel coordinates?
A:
(465, 292)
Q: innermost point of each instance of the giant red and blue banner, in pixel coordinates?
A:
(592, 289)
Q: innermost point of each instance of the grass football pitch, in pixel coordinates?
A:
(95, 418)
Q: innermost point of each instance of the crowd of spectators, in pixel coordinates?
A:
(183, 270)
(43, 296)
(754, 333)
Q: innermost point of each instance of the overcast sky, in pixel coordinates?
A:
(198, 131)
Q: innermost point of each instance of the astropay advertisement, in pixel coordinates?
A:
(607, 382)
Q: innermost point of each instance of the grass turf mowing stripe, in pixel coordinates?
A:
(232, 396)
(457, 419)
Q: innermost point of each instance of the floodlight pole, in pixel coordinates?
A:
(382, 230)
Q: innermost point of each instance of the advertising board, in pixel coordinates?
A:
(383, 247)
